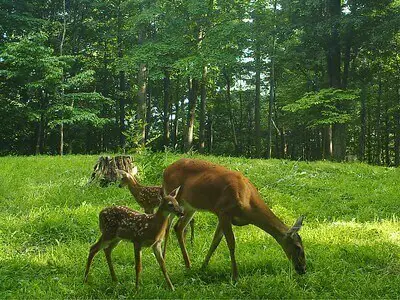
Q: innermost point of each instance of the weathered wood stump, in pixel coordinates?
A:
(105, 168)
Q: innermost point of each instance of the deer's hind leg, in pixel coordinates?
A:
(107, 252)
(214, 244)
(92, 252)
(138, 262)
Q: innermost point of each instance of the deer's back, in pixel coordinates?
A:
(121, 222)
(208, 186)
(149, 196)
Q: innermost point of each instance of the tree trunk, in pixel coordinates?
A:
(62, 89)
(346, 63)
(339, 138)
(250, 135)
(175, 131)
(122, 109)
(210, 133)
(369, 136)
(333, 58)
(257, 106)
(363, 122)
(62, 139)
(378, 132)
(167, 100)
(141, 101)
(327, 138)
(271, 88)
(193, 85)
(121, 102)
(203, 99)
(241, 122)
(39, 140)
(147, 126)
(270, 107)
(231, 116)
(397, 132)
(387, 135)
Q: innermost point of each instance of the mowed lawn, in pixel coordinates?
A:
(351, 233)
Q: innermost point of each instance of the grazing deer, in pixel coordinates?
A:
(230, 196)
(122, 223)
(148, 197)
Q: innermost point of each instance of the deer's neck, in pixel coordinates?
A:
(161, 218)
(265, 219)
(134, 187)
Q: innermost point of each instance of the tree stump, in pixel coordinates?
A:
(105, 168)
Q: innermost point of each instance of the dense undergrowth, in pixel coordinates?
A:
(351, 234)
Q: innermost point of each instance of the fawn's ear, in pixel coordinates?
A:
(134, 171)
(296, 227)
(121, 173)
(175, 192)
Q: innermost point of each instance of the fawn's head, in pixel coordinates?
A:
(169, 203)
(126, 177)
(293, 247)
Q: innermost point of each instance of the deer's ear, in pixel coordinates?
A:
(296, 227)
(175, 192)
(134, 171)
(163, 192)
(121, 173)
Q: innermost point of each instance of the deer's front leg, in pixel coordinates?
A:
(226, 226)
(179, 228)
(138, 262)
(161, 262)
(170, 219)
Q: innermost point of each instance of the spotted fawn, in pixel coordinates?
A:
(143, 230)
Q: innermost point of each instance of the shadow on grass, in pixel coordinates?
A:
(17, 274)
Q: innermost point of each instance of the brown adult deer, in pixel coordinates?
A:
(122, 223)
(148, 197)
(232, 197)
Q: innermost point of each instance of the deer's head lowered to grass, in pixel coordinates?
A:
(293, 246)
(235, 201)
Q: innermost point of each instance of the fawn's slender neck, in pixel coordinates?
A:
(161, 216)
(134, 186)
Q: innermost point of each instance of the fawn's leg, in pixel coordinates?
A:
(179, 228)
(107, 252)
(226, 225)
(161, 262)
(138, 262)
(214, 244)
(170, 218)
(92, 252)
(191, 231)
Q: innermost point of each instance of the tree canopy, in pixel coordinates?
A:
(272, 78)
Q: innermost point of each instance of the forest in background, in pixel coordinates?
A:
(285, 79)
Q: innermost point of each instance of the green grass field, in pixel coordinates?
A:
(351, 234)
